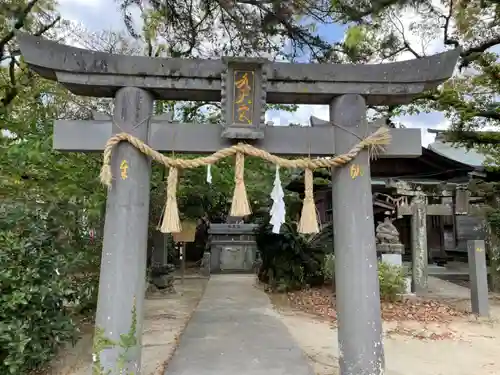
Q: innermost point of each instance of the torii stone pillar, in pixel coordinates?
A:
(122, 281)
(356, 280)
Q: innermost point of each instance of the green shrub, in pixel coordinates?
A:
(392, 281)
(493, 247)
(289, 260)
(391, 278)
(36, 291)
(329, 267)
(293, 261)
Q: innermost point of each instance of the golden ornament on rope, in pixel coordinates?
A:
(240, 207)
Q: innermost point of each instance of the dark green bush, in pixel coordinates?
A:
(37, 296)
(392, 281)
(329, 267)
(493, 246)
(289, 259)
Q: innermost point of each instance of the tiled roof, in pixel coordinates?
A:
(461, 154)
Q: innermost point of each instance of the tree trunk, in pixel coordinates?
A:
(494, 255)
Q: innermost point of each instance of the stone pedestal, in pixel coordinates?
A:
(161, 271)
(391, 253)
(390, 248)
(392, 259)
(162, 278)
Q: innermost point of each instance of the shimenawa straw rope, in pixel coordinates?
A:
(375, 143)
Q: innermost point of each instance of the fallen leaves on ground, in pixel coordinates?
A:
(422, 333)
(322, 302)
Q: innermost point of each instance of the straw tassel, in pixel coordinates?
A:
(171, 222)
(106, 175)
(240, 206)
(308, 219)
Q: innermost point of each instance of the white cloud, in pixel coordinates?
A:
(303, 113)
(95, 15)
(88, 3)
(301, 116)
(423, 122)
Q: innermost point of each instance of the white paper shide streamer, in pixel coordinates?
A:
(278, 208)
(209, 174)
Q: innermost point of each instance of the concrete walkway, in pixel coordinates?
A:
(446, 289)
(236, 331)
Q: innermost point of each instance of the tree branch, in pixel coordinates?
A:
(356, 15)
(11, 91)
(447, 40)
(473, 138)
(21, 19)
(413, 52)
(48, 26)
(401, 29)
(473, 53)
(491, 115)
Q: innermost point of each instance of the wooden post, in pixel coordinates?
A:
(182, 238)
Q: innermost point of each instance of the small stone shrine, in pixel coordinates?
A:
(232, 247)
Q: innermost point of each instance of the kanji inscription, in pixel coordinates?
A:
(244, 84)
(355, 171)
(124, 169)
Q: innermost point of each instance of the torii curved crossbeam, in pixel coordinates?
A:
(91, 73)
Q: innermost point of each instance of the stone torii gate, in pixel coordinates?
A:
(135, 82)
(457, 198)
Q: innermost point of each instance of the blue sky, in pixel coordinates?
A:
(97, 15)
(331, 33)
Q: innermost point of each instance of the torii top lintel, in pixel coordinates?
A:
(91, 73)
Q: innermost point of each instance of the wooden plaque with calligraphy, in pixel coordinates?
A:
(188, 232)
(243, 97)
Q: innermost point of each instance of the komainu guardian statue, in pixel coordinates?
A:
(386, 232)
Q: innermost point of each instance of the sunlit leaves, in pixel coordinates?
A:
(470, 99)
(209, 28)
